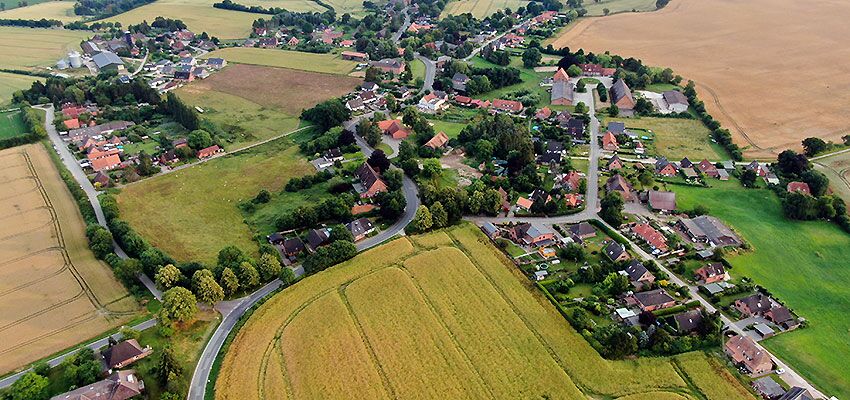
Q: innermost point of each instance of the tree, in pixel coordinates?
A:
(128, 333)
(199, 139)
(373, 75)
(613, 110)
(422, 220)
(327, 114)
(249, 278)
(603, 92)
(748, 178)
(612, 209)
(340, 232)
(439, 217)
(813, 146)
(573, 252)
(817, 181)
(531, 57)
(581, 108)
(615, 284)
(791, 163)
(178, 304)
(229, 281)
(431, 168)
(231, 257)
(268, 267)
(394, 179)
(100, 240)
(379, 160)
(206, 288)
(616, 341)
(574, 71)
(168, 277)
(167, 367)
(31, 386)
(287, 277)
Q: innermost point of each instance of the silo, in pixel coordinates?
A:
(75, 60)
(62, 64)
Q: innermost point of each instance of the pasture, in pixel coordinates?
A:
(291, 5)
(192, 213)
(803, 263)
(439, 315)
(837, 168)
(199, 16)
(311, 62)
(58, 10)
(23, 48)
(597, 8)
(11, 124)
(53, 292)
(481, 9)
(676, 138)
(741, 88)
(11, 83)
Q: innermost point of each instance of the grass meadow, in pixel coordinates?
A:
(58, 10)
(597, 8)
(803, 263)
(311, 62)
(466, 326)
(11, 83)
(11, 124)
(530, 81)
(676, 138)
(199, 16)
(22, 48)
(481, 9)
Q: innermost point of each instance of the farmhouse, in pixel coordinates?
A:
(710, 230)
(439, 140)
(596, 70)
(562, 93)
(507, 105)
(745, 352)
(369, 182)
(531, 235)
(209, 151)
(394, 128)
(360, 228)
(662, 201)
(354, 56)
(125, 353)
(560, 76)
(619, 184)
(616, 252)
(639, 276)
(675, 100)
(389, 65)
(653, 300)
(121, 385)
(799, 187)
(621, 96)
(711, 273)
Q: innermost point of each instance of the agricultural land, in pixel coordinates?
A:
(481, 9)
(58, 10)
(11, 83)
(597, 8)
(468, 326)
(675, 138)
(741, 89)
(22, 48)
(837, 169)
(11, 124)
(199, 16)
(53, 292)
(326, 63)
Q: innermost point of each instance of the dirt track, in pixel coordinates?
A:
(770, 70)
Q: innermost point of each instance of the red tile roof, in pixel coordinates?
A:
(106, 163)
(651, 236)
(561, 75)
(509, 105)
(801, 187)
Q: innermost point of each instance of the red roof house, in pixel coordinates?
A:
(609, 142)
(394, 128)
(800, 187)
(209, 151)
(439, 140)
(561, 76)
(507, 105)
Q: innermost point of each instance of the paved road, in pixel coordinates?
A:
(397, 35)
(430, 72)
(9, 380)
(77, 172)
(485, 44)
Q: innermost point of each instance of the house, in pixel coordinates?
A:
(664, 167)
(291, 247)
(571, 181)
(459, 81)
(360, 228)
(653, 300)
(358, 209)
(507, 105)
(531, 235)
(120, 385)
(439, 140)
(596, 70)
(209, 151)
(491, 230)
(711, 273)
(617, 128)
(771, 178)
(799, 187)
(98, 130)
(767, 388)
(639, 276)
(106, 163)
(575, 128)
(781, 315)
(754, 305)
(317, 238)
(216, 63)
(572, 200)
(651, 236)
(394, 128)
(549, 158)
(563, 93)
(389, 65)
(540, 275)
(609, 142)
(760, 169)
(688, 321)
(746, 353)
(662, 201)
(369, 182)
(614, 163)
(524, 203)
(168, 157)
(463, 100)
(333, 155)
(101, 179)
(543, 113)
(560, 76)
(369, 86)
(639, 147)
(582, 230)
(710, 230)
(615, 251)
(432, 104)
(797, 393)
(686, 163)
(268, 42)
(619, 184)
(708, 168)
(73, 123)
(108, 61)
(355, 104)
(722, 174)
(621, 96)
(125, 353)
(354, 56)
(675, 100)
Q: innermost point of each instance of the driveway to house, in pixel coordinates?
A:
(430, 73)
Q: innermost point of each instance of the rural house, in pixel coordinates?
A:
(622, 96)
(614, 163)
(708, 229)
(439, 140)
(531, 235)
(799, 187)
(781, 315)
(120, 385)
(755, 305)
(619, 184)
(609, 142)
(125, 353)
(293, 246)
(767, 388)
(209, 151)
(360, 228)
(664, 167)
(431, 103)
(388, 65)
(688, 321)
(664, 202)
(638, 275)
(745, 352)
(708, 168)
(711, 273)
(510, 106)
(459, 82)
(369, 182)
(317, 238)
(582, 230)
(652, 300)
(615, 251)
(354, 56)
(394, 128)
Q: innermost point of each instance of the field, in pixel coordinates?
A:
(481, 9)
(291, 5)
(595, 8)
(326, 63)
(27, 47)
(11, 124)
(741, 88)
(837, 168)
(58, 10)
(199, 16)
(11, 83)
(803, 263)
(466, 326)
(192, 213)
(53, 292)
(12, 5)
(676, 138)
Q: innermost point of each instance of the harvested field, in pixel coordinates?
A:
(770, 90)
(481, 9)
(837, 169)
(284, 89)
(291, 5)
(22, 48)
(53, 292)
(199, 16)
(448, 317)
(326, 63)
(58, 10)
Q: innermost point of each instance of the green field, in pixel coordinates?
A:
(417, 68)
(676, 138)
(28, 47)
(199, 16)
(803, 263)
(58, 10)
(11, 5)
(481, 9)
(263, 219)
(440, 315)
(595, 8)
(290, 5)
(11, 124)
(326, 63)
(530, 81)
(837, 168)
(192, 213)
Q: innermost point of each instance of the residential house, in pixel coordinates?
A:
(524, 203)
(575, 127)
(168, 157)
(572, 200)
(360, 228)
(614, 163)
(389, 65)
(369, 86)
(663, 202)
(459, 82)
(754, 305)
(106, 163)
(354, 56)
(676, 101)
(209, 151)
(616, 251)
(639, 147)
(639, 276)
(73, 123)
(744, 351)
(688, 321)
(609, 142)
(617, 128)
(491, 230)
(125, 353)
(369, 182)
(120, 385)
(767, 388)
(432, 104)
(722, 174)
(708, 168)
(596, 70)
(664, 167)
(622, 96)
(781, 315)
(101, 180)
(711, 273)
(317, 238)
(582, 230)
(293, 246)
(797, 393)
(510, 106)
(710, 230)
(333, 155)
(653, 300)
(690, 173)
(571, 181)
(549, 158)
(531, 235)
(268, 42)
(686, 163)
(543, 113)
(438, 141)
(394, 128)
(355, 104)
(216, 63)
(619, 184)
(799, 187)
(760, 169)
(651, 236)
(98, 130)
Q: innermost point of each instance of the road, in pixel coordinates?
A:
(430, 72)
(77, 172)
(485, 44)
(9, 380)
(397, 35)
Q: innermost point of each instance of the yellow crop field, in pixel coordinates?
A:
(481, 9)
(58, 10)
(29, 47)
(199, 16)
(710, 377)
(53, 292)
(439, 315)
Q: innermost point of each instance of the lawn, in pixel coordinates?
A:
(27, 47)
(417, 68)
(262, 219)
(530, 81)
(661, 87)
(199, 16)
(11, 124)
(58, 10)
(481, 9)
(803, 263)
(290, 5)
(192, 213)
(454, 318)
(676, 138)
(326, 63)
(596, 8)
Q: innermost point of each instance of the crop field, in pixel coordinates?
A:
(481, 8)
(11, 83)
(741, 88)
(311, 62)
(712, 379)
(167, 211)
(676, 138)
(199, 16)
(58, 10)
(291, 5)
(597, 8)
(803, 263)
(53, 292)
(437, 315)
(837, 168)
(11, 124)
(27, 47)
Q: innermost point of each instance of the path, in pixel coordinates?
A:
(430, 73)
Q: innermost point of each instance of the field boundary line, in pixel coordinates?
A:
(35, 281)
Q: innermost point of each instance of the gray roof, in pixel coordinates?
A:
(359, 226)
(713, 288)
(620, 90)
(635, 270)
(653, 297)
(797, 393)
(489, 228)
(106, 58)
(768, 387)
(617, 128)
(675, 97)
(688, 321)
(712, 229)
(460, 77)
(582, 229)
(613, 250)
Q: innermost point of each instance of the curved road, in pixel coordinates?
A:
(430, 72)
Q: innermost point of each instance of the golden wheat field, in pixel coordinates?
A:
(53, 292)
(437, 315)
(767, 69)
